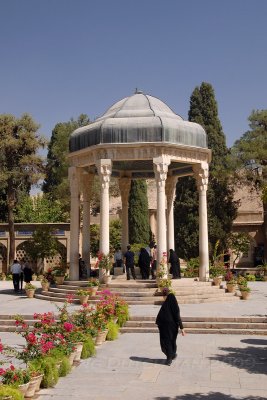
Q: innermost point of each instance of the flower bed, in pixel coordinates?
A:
(52, 343)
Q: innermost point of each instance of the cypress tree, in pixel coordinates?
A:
(138, 212)
(221, 207)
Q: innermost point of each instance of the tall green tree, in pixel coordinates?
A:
(39, 209)
(56, 180)
(138, 212)
(222, 209)
(20, 165)
(249, 153)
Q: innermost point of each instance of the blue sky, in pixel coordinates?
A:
(60, 58)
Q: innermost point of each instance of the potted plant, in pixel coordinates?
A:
(30, 290)
(2, 276)
(16, 377)
(264, 270)
(83, 296)
(164, 283)
(245, 291)
(10, 393)
(100, 323)
(45, 283)
(34, 384)
(34, 277)
(93, 285)
(230, 282)
(241, 281)
(58, 275)
(217, 272)
(105, 262)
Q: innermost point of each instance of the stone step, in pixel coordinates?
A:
(226, 331)
(248, 319)
(204, 325)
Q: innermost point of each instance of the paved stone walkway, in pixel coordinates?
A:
(210, 367)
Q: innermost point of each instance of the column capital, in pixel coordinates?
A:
(201, 172)
(125, 186)
(161, 169)
(104, 169)
(171, 189)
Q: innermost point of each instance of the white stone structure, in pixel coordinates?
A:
(138, 137)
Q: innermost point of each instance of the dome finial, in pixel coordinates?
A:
(137, 91)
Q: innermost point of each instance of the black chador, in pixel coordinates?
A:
(169, 322)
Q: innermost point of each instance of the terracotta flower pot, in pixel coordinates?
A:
(245, 295)
(59, 279)
(23, 388)
(30, 293)
(79, 348)
(83, 299)
(71, 357)
(107, 279)
(92, 290)
(34, 385)
(45, 286)
(101, 337)
(217, 281)
(230, 287)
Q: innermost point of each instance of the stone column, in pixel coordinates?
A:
(74, 222)
(104, 167)
(170, 192)
(87, 184)
(161, 169)
(202, 174)
(125, 186)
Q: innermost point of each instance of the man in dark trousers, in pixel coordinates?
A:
(129, 262)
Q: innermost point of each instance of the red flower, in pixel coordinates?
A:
(70, 298)
(1, 347)
(68, 326)
(2, 371)
(12, 367)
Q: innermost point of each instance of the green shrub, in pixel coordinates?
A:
(48, 367)
(192, 269)
(122, 313)
(62, 360)
(9, 391)
(250, 277)
(113, 331)
(88, 348)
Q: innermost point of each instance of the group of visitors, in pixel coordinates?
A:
(147, 262)
(21, 271)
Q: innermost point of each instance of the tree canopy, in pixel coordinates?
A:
(138, 212)
(221, 206)
(20, 164)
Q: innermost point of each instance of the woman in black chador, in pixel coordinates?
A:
(175, 265)
(144, 263)
(169, 322)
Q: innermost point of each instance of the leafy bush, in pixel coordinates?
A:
(48, 367)
(14, 394)
(88, 348)
(192, 270)
(113, 331)
(62, 360)
(250, 277)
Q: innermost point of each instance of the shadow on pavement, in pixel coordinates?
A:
(252, 359)
(209, 396)
(258, 342)
(149, 360)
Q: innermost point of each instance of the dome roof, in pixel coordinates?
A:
(138, 118)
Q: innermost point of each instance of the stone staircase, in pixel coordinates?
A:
(141, 292)
(202, 325)
(192, 325)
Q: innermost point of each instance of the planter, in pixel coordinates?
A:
(34, 385)
(45, 286)
(265, 278)
(59, 279)
(71, 357)
(34, 278)
(79, 348)
(92, 290)
(244, 295)
(23, 388)
(84, 299)
(101, 337)
(107, 279)
(231, 287)
(217, 281)
(30, 293)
